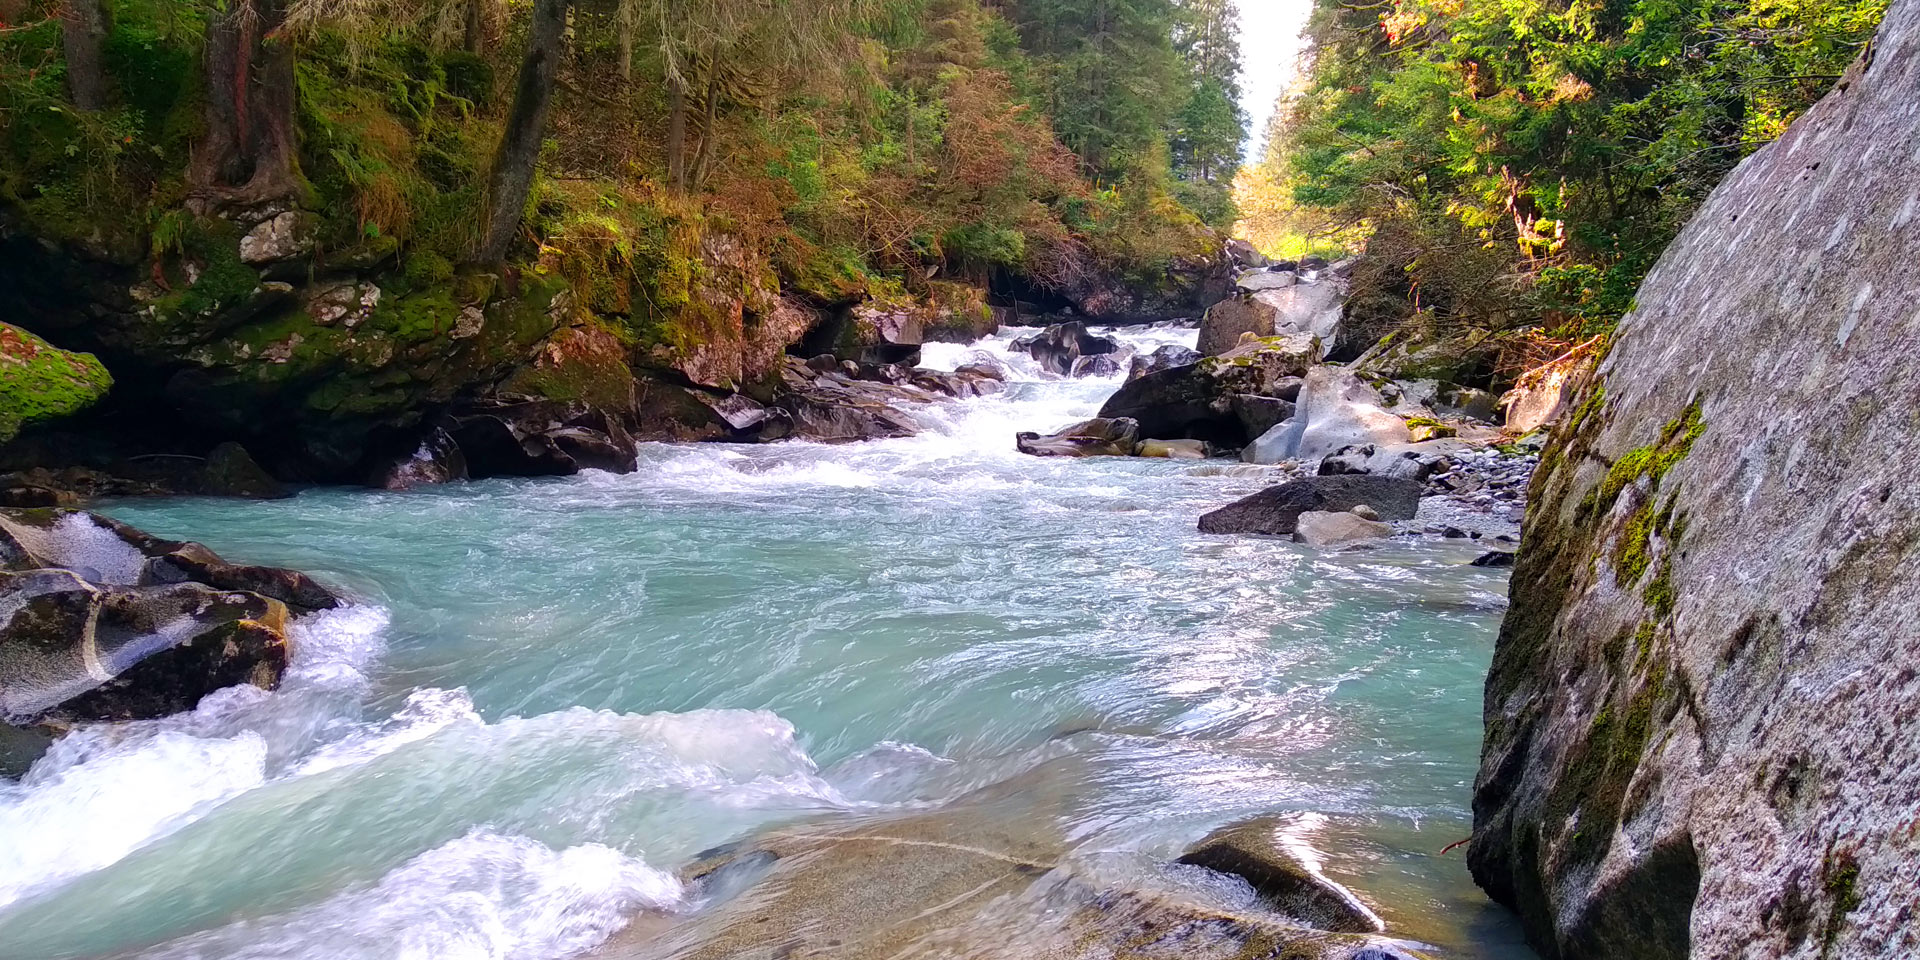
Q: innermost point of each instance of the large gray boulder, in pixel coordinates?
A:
(1703, 714)
(1060, 348)
(1276, 309)
(1275, 511)
(1320, 528)
(1336, 409)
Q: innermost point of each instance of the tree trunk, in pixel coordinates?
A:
(623, 37)
(519, 151)
(476, 35)
(247, 154)
(707, 132)
(83, 29)
(677, 132)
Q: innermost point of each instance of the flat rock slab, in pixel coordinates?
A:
(1257, 851)
(1276, 510)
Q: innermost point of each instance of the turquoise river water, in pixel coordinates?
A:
(551, 693)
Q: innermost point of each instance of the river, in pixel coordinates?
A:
(552, 693)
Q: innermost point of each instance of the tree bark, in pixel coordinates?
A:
(623, 36)
(707, 124)
(519, 151)
(476, 33)
(247, 154)
(677, 132)
(83, 32)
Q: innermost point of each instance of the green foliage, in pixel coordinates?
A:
(1573, 138)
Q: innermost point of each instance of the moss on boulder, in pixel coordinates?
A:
(40, 382)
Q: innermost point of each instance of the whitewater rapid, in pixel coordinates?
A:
(550, 694)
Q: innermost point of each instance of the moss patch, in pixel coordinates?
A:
(40, 382)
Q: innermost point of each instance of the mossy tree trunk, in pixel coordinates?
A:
(83, 32)
(513, 163)
(247, 153)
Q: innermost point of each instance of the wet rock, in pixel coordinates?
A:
(1164, 357)
(436, 460)
(1253, 851)
(1317, 528)
(1172, 449)
(1196, 402)
(963, 882)
(1099, 437)
(1275, 510)
(1260, 414)
(1059, 347)
(1494, 558)
(76, 651)
(835, 408)
(540, 438)
(1413, 461)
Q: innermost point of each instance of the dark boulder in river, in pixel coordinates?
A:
(1198, 401)
(1703, 713)
(1091, 438)
(105, 622)
(1164, 357)
(1275, 510)
(1060, 347)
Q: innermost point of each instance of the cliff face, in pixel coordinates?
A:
(1703, 716)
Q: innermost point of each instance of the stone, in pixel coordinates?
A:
(1057, 348)
(1099, 437)
(1336, 409)
(1255, 851)
(1164, 357)
(1413, 461)
(1541, 395)
(977, 879)
(1172, 449)
(1365, 512)
(1254, 281)
(1260, 414)
(436, 460)
(1243, 254)
(1313, 308)
(1317, 528)
(1701, 713)
(835, 408)
(1099, 365)
(1275, 510)
(1195, 402)
(281, 237)
(230, 471)
(1494, 558)
(41, 382)
(77, 651)
(540, 438)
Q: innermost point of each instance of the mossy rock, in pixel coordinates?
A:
(40, 382)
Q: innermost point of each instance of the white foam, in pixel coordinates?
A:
(92, 802)
(481, 897)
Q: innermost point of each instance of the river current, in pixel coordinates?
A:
(549, 694)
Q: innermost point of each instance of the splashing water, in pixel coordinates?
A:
(553, 692)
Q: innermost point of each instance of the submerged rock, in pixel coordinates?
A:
(1099, 437)
(1318, 528)
(1254, 851)
(436, 460)
(1172, 449)
(1703, 711)
(1275, 510)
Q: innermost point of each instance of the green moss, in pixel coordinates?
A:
(1841, 880)
(40, 382)
(1654, 460)
(1630, 561)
